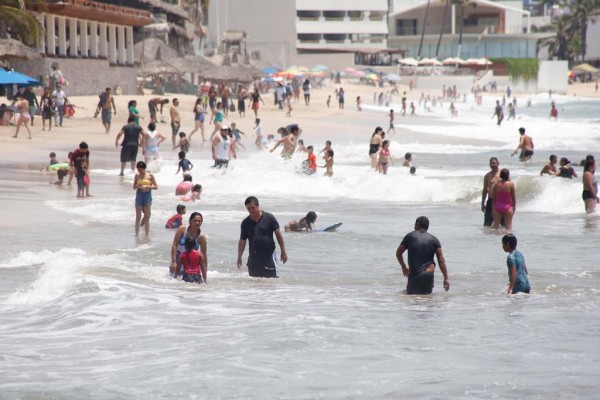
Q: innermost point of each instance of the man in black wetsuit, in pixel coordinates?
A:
(258, 228)
(421, 247)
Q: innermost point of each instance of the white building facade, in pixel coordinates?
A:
(303, 32)
(323, 24)
(490, 29)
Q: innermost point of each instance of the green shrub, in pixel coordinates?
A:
(520, 68)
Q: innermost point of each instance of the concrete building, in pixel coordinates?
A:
(491, 29)
(92, 44)
(593, 44)
(303, 32)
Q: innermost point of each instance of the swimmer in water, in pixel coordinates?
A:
(303, 224)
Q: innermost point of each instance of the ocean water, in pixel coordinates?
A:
(88, 310)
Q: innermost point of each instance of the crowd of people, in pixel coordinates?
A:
(260, 230)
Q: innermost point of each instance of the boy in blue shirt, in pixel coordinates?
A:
(184, 164)
(517, 270)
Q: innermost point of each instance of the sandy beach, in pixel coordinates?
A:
(318, 121)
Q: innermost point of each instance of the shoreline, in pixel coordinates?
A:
(317, 122)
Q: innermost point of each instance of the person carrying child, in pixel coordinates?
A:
(194, 268)
(192, 230)
(80, 163)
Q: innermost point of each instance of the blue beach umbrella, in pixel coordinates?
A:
(9, 78)
(269, 70)
(31, 81)
(320, 67)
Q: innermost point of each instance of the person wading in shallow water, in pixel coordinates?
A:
(421, 247)
(258, 228)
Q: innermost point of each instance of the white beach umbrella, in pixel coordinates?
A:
(429, 61)
(409, 61)
(471, 61)
(453, 61)
(483, 61)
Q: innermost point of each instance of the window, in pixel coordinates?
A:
(406, 27)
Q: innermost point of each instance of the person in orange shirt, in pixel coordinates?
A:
(311, 161)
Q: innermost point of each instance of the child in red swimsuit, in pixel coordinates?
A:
(194, 268)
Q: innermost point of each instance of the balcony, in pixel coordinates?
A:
(371, 5)
(344, 25)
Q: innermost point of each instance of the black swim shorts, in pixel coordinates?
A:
(420, 283)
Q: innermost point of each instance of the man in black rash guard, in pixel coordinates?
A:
(258, 229)
(421, 247)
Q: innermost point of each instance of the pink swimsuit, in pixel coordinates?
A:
(503, 201)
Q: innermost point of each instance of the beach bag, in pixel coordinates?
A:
(61, 80)
(232, 107)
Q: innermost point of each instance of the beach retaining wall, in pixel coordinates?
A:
(84, 76)
(464, 84)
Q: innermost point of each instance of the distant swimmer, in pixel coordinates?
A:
(185, 165)
(407, 160)
(422, 247)
(183, 144)
(306, 223)
(326, 148)
(176, 220)
(375, 145)
(518, 282)
(193, 195)
(328, 163)
(550, 168)
(498, 112)
(311, 161)
(385, 157)
(505, 202)
(258, 133)
(392, 116)
(487, 196)
(590, 186)
(288, 141)
(553, 112)
(565, 170)
(184, 186)
(525, 145)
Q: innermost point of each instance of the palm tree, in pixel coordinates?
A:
(461, 4)
(19, 23)
(446, 7)
(423, 30)
(571, 28)
(562, 45)
(584, 11)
